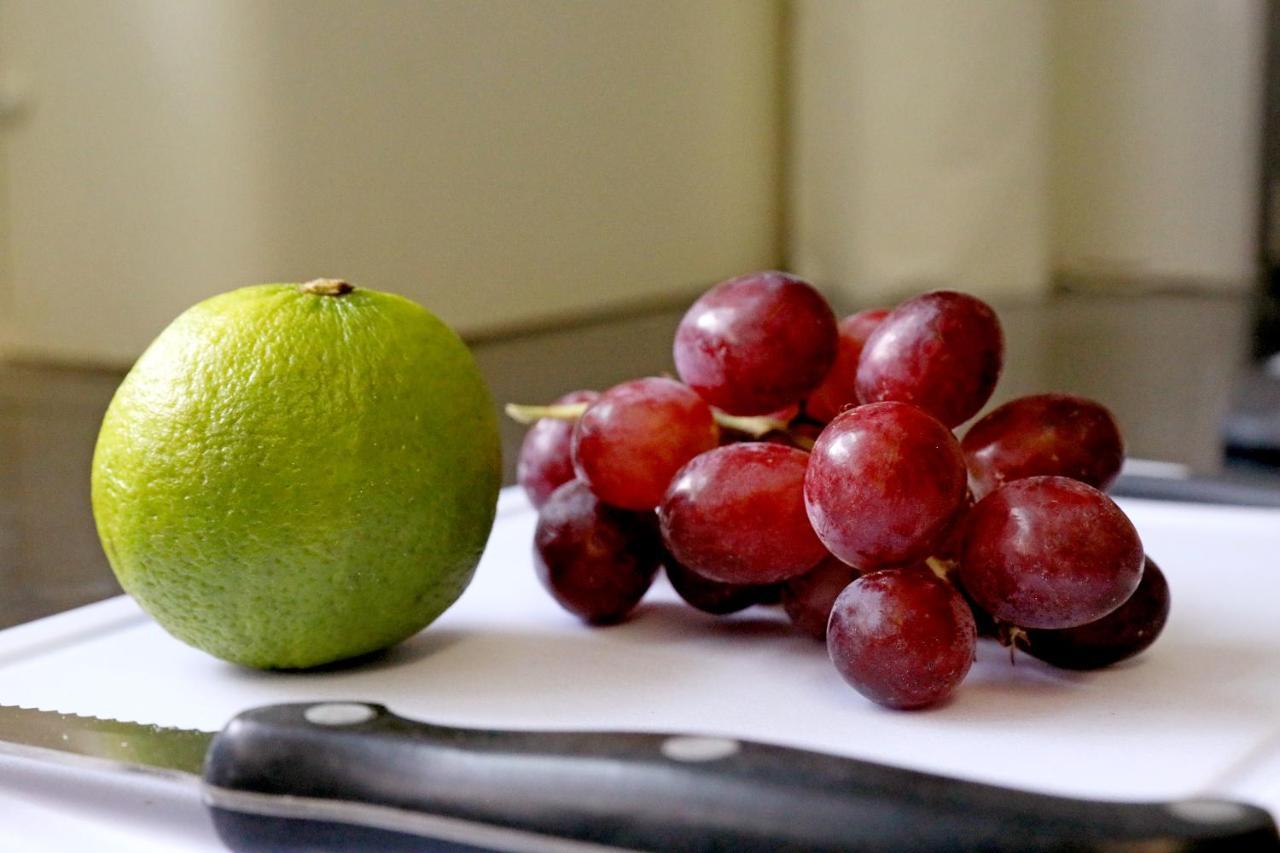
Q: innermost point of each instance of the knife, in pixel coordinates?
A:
(355, 776)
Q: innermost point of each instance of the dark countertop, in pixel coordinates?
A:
(1167, 365)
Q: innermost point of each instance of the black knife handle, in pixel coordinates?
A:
(354, 776)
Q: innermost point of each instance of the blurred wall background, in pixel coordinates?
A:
(505, 163)
(1004, 146)
(517, 163)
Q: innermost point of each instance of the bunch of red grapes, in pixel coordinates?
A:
(813, 462)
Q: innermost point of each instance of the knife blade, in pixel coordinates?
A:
(355, 776)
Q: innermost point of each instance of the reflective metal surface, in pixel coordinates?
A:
(70, 738)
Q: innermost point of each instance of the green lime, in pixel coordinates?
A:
(296, 474)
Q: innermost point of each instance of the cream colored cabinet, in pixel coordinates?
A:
(517, 162)
(1001, 146)
(505, 163)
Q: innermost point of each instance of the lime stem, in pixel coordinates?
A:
(327, 287)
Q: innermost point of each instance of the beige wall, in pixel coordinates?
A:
(1000, 145)
(1156, 117)
(512, 163)
(919, 148)
(503, 162)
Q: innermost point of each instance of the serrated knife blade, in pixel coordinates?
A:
(354, 776)
(173, 753)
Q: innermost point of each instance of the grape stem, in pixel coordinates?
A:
(942, 568)
(527, 414)
(1011, 637)
(753, 426)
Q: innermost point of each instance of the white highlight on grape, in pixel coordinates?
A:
(693, 748)
(339, 714)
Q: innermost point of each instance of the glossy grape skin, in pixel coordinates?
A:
(885, 481)
(711, 596)
(807, 599)
(903, 638)
(597, 561)
(942, 351)
(1049, 552)
(546, 455)
(1121, 634)
(756, 343)
(839, 388)
(1044, 434)
(631, 441)
(736, 514)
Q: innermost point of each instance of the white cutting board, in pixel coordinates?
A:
(1198, 713)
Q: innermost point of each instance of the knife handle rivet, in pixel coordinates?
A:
(1207, 811)
(339, 714)
(693, 748)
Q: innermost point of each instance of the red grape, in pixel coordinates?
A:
(942, 351)
(884, 482)
(872, 541)
(1044, 434)
(631, 441)
(1121, 634)
(1049, 552)
(596, 560)
(839, 388)
(808, 598)
(902, 637)
(546, 458)
(736, 514)
(713, 596)
(756, 343)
